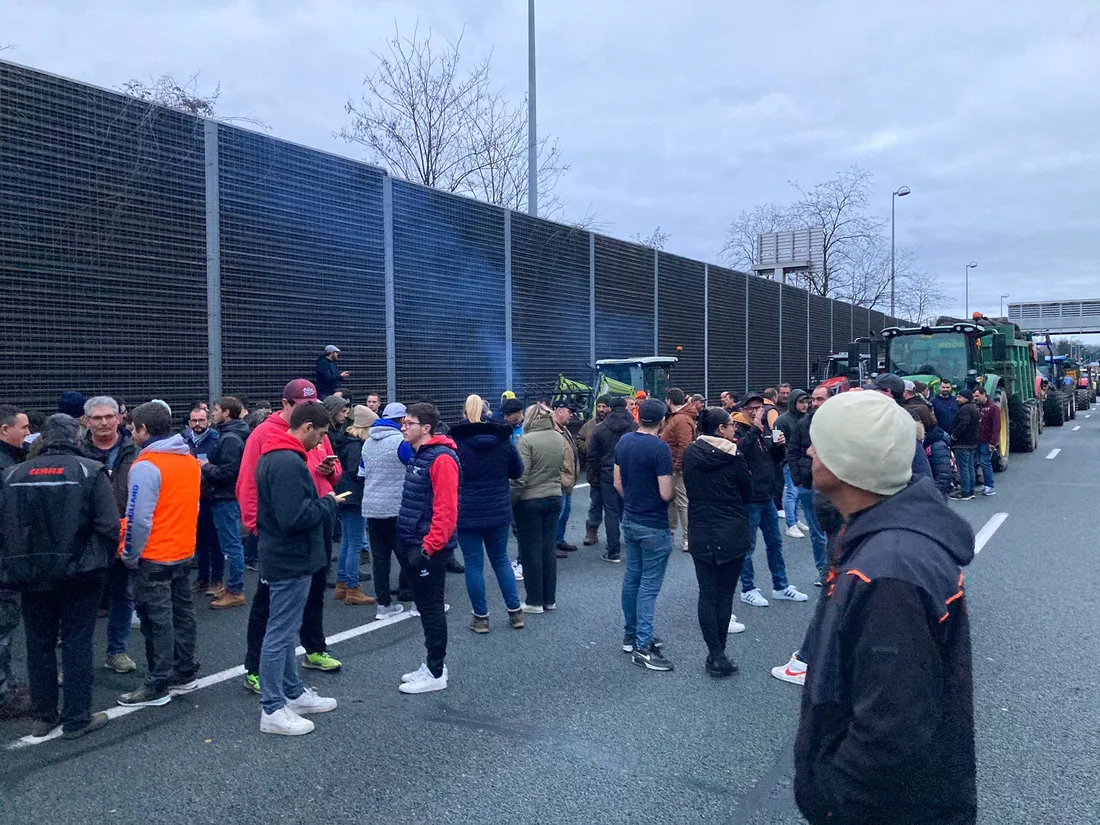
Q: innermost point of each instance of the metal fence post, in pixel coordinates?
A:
(592, 299)
(832, 331)
(391, 324)
(747, 277)
(706, 330)
(656, 300)
(213, 261)
(780, 380)
(808, 377)
(508, 299)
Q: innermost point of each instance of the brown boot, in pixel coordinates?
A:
(215, 589)
(479, 624)
(591, 535)
(355, 595)
(341, 591)
(227, 600)
(515, 619)
(200, 586)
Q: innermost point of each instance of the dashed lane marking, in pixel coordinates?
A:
(218, 678)
(1054, 453)
(1075, 429)
(986, 533)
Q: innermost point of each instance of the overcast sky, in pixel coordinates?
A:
(683, 114)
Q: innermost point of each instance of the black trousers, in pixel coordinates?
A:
(70, 611)
(162, 596)
(537, 522)
(612, 517)
(717, 583)
(429, 586)
(312, 632)
(383, 544)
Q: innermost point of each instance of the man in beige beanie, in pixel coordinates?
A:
(887, 727)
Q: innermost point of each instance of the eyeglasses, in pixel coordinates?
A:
(99, 419)
(407, 424)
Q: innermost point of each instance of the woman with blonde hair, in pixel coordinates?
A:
(488, 459)
(353, 539)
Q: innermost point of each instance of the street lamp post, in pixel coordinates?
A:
(969, 267)
(1003, 296)
(532, 120)
(900, 193)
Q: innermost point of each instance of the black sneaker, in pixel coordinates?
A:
(720, 667)
(651, 659)
(614, 558)
(182, 684)
(98, 721)
(628, 643)
(454, 566)
(143, 697)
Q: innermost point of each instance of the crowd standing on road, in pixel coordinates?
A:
(108, 510)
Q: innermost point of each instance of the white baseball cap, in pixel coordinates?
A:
(332, 348)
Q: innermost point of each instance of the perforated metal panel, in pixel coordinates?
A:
(680, 318)
(842, 325)
(449, 297)
(820, 329)
(726, 332)
(795, 363)
(624, 299)
(550, 302)
(763, 334)
(102, 245)
(302, 266)
(861, 321)
(877, 321)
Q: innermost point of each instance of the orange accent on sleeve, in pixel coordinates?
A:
(862, 577)
(956, 597)
(943, 618)
(961, 577)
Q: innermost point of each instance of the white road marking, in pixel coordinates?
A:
(986, 533)
(580, 486)
(218, 678)
(1075, 429)
(1053, 453)
(1087, 415)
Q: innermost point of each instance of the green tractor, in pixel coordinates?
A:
(1056, 390)
(993, 354)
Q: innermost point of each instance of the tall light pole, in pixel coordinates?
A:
(969, 267)
(532, 123)
(900, 193)
(1003, 296)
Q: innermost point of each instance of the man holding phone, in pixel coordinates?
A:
(325, 471)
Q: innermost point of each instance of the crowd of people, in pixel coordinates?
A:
(108, 510)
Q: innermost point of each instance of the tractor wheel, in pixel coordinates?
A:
(1054, 410)
(1036, 425)
(1083, 399)
(1039, 414)
(1021, 424)
(1001, 451)
(1072, 405)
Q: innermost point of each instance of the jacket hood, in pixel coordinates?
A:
(174, 444)
(792, 404)
(441, 441)
(937, 433)
(619, 421)
(714, 455)
(384, 428)
(283, 441)
(920, 509)
(482, 435)
(237, 426)
(543, 423)
(688, 410)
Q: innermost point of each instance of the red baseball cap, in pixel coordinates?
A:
(300, 391)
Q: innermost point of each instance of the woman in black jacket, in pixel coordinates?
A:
(718, 486)
(353, 537)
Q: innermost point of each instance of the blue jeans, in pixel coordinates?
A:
(764, 516)
(120, 607)
(985, 456)
(817, 535)
(964, 457)
(790, 498)
(475, 544)
(227, 518)
(353, 539)
(279, 678)
(647, 552)
(563, 519)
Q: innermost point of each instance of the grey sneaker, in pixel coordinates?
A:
(120, 663)
(389, 611)
(479, 624)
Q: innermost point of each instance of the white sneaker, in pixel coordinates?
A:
(383, 612)
(135, 620)
(553, 606)
(791, 594)
(795, 533)
(528, 608)
(736, 626)
(425, 682)
(414, 612)
(782, 514)
(794, 672)
(989, 491)
(310, 702)
(517, 568)
(284, 721)
(755, 598)
(416, 674)
(803, 526)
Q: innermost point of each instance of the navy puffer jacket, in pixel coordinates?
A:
(937, 444)
(488, 459)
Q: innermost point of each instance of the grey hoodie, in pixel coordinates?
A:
(144, 481)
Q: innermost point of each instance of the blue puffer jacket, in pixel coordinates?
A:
(429, 499)
(937, 445)
(488, 459)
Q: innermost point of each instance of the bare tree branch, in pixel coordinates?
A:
(184, 96)
(739, 250)
(655, 240)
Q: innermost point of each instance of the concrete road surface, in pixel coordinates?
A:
(554, 724)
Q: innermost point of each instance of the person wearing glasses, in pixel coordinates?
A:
(719, 487)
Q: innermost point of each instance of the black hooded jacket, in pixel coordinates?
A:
(964, 433)
(798, 442)
(758, 457)
(719, 487)
(219, 474)
(601, 447)
(887, 726)
(787, 421)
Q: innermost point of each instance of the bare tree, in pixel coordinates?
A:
(184, 96)
(864, 279)
(739, 250)
(920, 295)
(426, 120)
(655, 240)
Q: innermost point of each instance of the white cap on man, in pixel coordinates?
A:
(331, 348)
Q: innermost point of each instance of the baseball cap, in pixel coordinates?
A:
(563, 402)
(300, 390)
(640, 394)
(968, 394)
(754, 396)
(888, 382)
(332, 348)
(910, 386)
(507, 394)
(394, 410)
(652, 411)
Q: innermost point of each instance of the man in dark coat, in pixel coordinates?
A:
(328, 377)
(601, 462)
(800, 466)
(964, 441)
(887, 730)
(14, 702)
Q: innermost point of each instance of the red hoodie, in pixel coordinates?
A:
(254, 447)
(444, 476)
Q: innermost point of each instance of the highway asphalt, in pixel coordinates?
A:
(553, 723)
